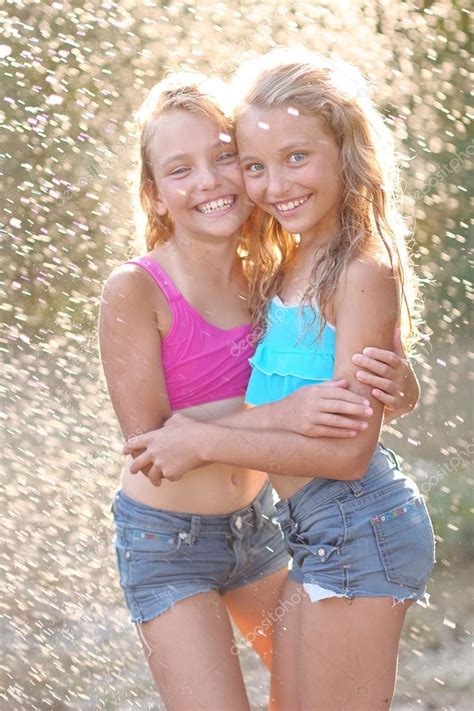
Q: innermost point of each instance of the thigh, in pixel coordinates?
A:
(253, 607)
(347, 653)
(189, 651)
(284, 679)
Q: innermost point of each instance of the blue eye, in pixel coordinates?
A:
(297, 157)
(255, 168)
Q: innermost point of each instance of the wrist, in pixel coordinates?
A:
(206, 438)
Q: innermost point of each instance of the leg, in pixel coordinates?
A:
(284, 681)
(188, 649)
(252, 608)
(347, 653)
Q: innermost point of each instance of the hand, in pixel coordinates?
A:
(168, 452)
(391, 376)
(326, 410)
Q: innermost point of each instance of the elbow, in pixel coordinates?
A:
(360, 464)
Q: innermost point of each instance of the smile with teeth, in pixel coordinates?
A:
(215, 206)
(291, 204)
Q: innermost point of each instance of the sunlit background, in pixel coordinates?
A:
(73, 74)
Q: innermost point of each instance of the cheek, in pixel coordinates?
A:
(254, 189)
(233, 173)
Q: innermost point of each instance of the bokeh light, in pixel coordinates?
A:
(73, 73)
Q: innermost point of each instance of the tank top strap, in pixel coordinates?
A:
(159, 275)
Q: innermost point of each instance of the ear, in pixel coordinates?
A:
(160, 207)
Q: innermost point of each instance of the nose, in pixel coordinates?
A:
(207, 177)
(276, 183)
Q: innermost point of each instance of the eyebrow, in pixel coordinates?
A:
(284, 149)
(180, 156)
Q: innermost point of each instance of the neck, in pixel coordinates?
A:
(212, 257)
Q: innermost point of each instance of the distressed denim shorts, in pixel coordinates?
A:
(367, 538)
(164, 557)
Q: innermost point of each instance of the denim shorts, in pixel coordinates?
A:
(367, 538)
(164, 557)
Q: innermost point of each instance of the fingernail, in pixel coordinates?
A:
(366, 402)
(368, 411)
(364, 425)
(356, 358)
(367, 351)
(360, 374)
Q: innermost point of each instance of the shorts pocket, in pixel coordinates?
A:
(152, 543)
(140, 552)
(405, 541)
(321, 534)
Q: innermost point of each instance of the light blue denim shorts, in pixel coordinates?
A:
(164, 557)
(367, 538)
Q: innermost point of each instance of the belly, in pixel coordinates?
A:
(286, 486)
(210, 490)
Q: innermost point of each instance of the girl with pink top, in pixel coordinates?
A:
(176, 336)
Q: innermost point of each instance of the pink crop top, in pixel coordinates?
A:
(201, 362)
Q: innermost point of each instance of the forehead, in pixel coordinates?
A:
(184, 132)
(267, 127)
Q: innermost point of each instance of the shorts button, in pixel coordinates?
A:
(128, 555)
(238, 522)
(321, 552)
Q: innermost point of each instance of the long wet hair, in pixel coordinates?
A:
(370, 221)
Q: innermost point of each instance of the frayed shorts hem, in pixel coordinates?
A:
(317, 592)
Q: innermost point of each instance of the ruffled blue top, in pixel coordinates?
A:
(288, 356)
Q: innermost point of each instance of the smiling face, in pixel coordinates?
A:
(291, 169)
(197, 176)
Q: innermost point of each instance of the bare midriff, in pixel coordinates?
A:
(209, 490)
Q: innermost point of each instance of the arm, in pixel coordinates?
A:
(130, 349)
(391, 376)
(366, 312)
(325, 410)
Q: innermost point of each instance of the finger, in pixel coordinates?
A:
(345, 395)
(141, 462)
(398, 344)
(323, 431)
(388, 400)
(155, 475)
(337, 384)
(375, 382)
(135, 442)
(379, 366)
(340, 421)
(340, 407)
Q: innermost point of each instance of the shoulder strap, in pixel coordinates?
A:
(159, 275)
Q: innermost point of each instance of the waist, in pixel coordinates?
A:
(383, 470)
(212, 489)
(154, 518)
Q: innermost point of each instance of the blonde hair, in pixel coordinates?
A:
(369, 217)
(185, 91)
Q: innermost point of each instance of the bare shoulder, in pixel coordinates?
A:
(365, 275)
(130, 286)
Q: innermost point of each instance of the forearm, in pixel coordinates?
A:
(262, 417)
(284, 453)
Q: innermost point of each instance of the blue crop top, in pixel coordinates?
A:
(288, 356)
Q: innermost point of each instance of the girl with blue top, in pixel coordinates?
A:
(318, 162)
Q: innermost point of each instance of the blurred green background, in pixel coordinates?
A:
(73, 73)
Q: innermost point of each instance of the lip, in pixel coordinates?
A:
(293, 210)
(217, 211)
